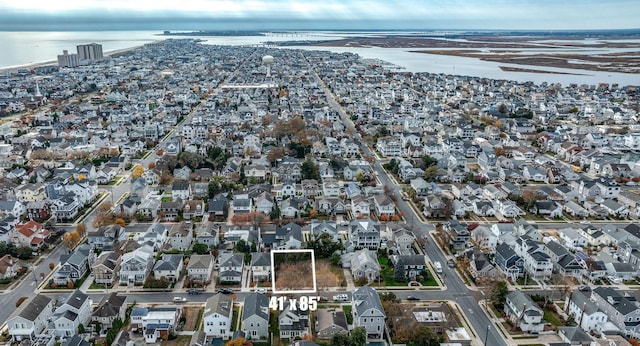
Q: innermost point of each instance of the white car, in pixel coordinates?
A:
(341, 298)
(261, 290)
(179, 299)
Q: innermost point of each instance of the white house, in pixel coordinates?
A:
(66, 319)
(218, 314)
(31, 318)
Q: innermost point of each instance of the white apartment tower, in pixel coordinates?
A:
(92, 51)
(68, 60)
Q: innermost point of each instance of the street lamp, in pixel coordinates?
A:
(486, 335)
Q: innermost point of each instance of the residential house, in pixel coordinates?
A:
(218, 315)
(523, 312)
(293, 322)
(584, 311)
(364, 233)
(331, 322)
(575, 336)
(547, 208)
(110, 307)
(508, 261)
(458, 235)
(104, 238)
(403, 239)
(537, 262)
(8, 267)
(368, 312)
(106, 267)
(136, 266)
(413, 265)
(622, 309)
(73, 267)
(231, 267)
(260, 266)
(181, 190)
(319, 227)
(75, 310)
(181, 236)
(156, 323)
(193, 209)
(255, 316)
(31, 318)
(169, 266)
(384, 206)
(200, 267)
(364, 264)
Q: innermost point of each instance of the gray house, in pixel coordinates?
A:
(31, 318)
(255, 316)
(368, 312)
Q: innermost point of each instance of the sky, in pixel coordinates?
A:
(319, 15)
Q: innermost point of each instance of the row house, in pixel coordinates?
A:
(622, 310)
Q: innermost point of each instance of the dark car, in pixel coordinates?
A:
(225, 291)
(412, 298)
(585, 288)
(194, 291)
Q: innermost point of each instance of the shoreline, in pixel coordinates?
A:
(55, 62)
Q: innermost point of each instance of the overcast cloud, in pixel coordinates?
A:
(328, 14)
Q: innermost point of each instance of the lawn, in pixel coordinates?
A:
(552, 318)
(236, 316)
(347, 311)
(389, 278)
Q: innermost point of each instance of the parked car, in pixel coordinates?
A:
(179, 299)
(412, 298)
(194, 291)
(341, 298)
(585, 288)
(225, 290)
(451, 263)
(261, 290)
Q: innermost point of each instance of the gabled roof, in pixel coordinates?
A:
(169, 262)
(256, 304)
(110, 305)
(220, 304)
(77, 299)
(32, 309)
(366, 298)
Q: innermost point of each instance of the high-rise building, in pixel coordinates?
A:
(92, 51)
(68, 60)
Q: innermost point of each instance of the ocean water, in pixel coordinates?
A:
(23, 48)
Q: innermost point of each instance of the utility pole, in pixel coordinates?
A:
(486, 335)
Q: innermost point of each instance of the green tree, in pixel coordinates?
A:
(242, 246)
(499, 293)
(340, 340)
(503, 108)
(200, 249)
(324, 246)
(398, 271)
(309, 170)
(422, 336)
(358, 337)
(335, 259)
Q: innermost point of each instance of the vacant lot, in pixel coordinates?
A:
(191, 313)
(294, 276)
(328, 275)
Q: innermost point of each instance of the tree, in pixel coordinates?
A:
(358, 337)
(200, 248)
(275, 154)
(398, 270)
(340, 339)
(499, 294)
(82, 230)
(70, 240)
(137, 171)
(335, 259)
(120, 222)
(104, 216)
(309, 170)
(430, 173)
(324, 246)
(51, 265)
(503, 109)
